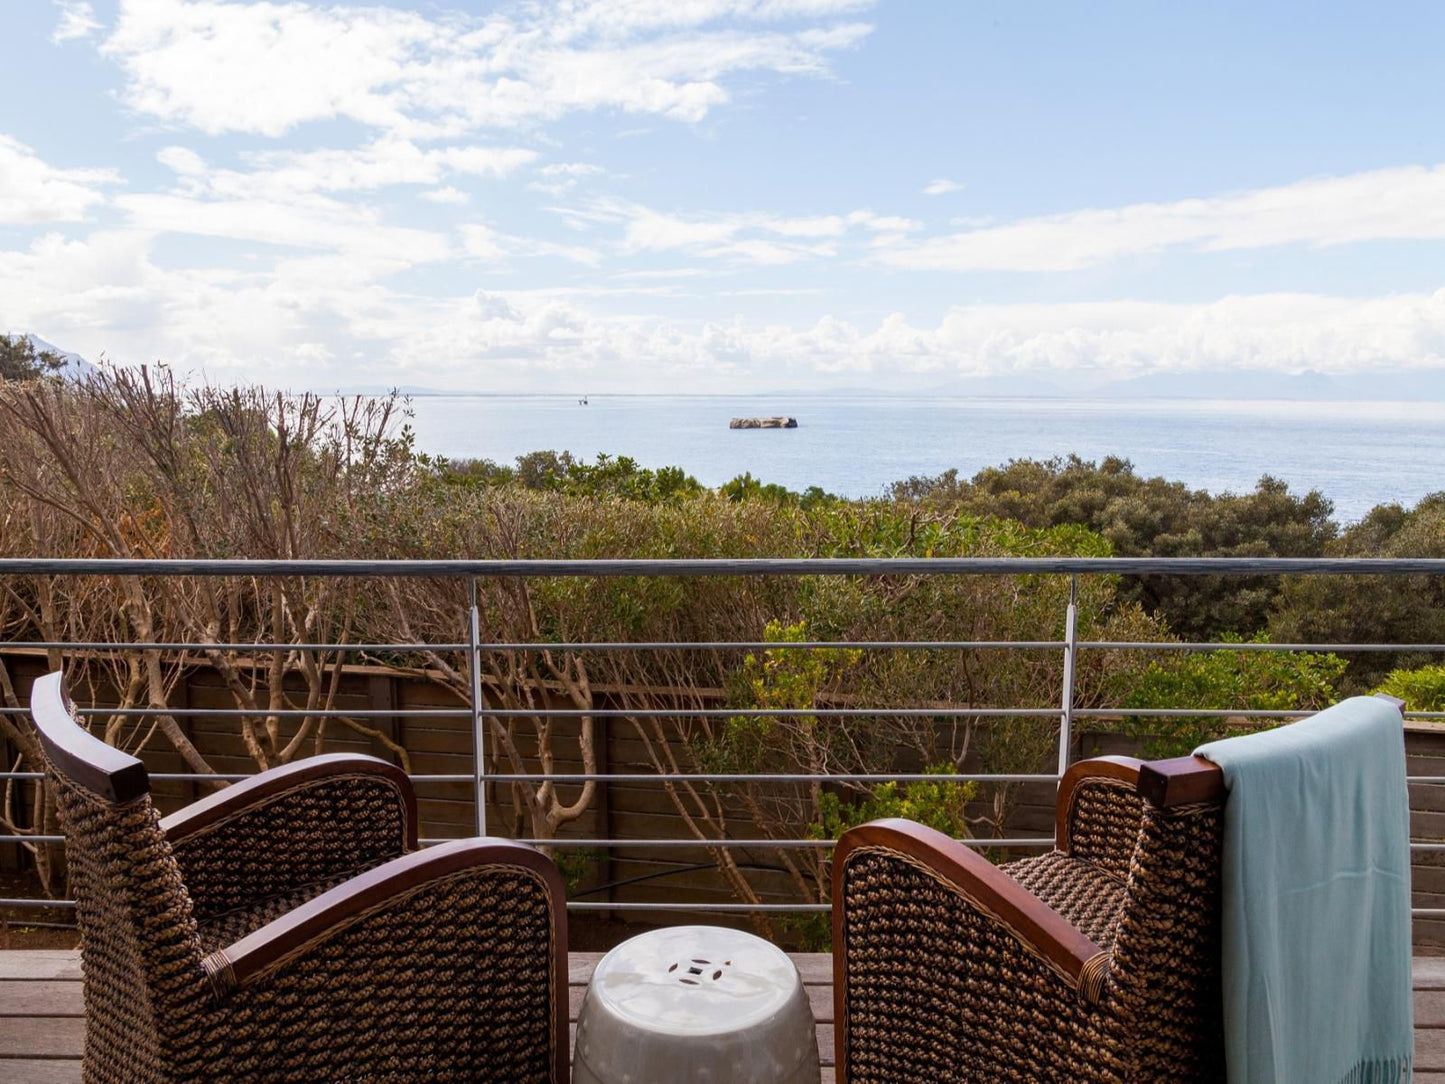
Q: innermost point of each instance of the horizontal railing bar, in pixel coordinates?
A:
(236, 777)
(633, 777)
(575, 713)
(764, 777)
(279, 713)
(731, 645)
(577, 905)
(723, 645)
(710, 713)
(707, 844)
(106, 645)
(719, 908)
(768, 645)
(1026, 841)
(726, 566)
(1194, 713)
(620, 905)
(1219, 645)
(677, 777)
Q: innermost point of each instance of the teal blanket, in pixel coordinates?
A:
(1316, 912)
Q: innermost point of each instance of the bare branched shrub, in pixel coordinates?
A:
(135, 464)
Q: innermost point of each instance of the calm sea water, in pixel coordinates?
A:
(1357, 454)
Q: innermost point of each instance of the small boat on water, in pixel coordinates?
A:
(778, 422)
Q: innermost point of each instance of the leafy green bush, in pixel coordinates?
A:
(1239, 680)
(1422, 689)
(1151, 517)
(941, 805)
(1373, 609)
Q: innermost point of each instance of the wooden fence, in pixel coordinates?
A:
(626, 810)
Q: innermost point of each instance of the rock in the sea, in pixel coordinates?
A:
(779, 422)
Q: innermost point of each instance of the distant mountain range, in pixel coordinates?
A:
(1404, 385)
(76, 367)
(1389, 385)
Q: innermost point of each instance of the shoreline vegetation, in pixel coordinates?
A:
(134, 463)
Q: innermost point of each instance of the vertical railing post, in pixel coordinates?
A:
(1071, 643)
(479, 744)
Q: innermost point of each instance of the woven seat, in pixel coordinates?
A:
(219, 930)
(1089, 898)
(287, 928)
(1096, 962)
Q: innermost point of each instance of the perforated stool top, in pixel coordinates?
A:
(698, 1005)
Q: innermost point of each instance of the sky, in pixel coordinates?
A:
(722, 195)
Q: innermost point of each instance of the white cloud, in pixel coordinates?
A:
(1406, 203)
(576, 18)
(106, 293)
(485, 243)
(884, 223)
(446, 195)
(745, 237)
(307, 222)
(381, 163)
(265, 67)
(941, 187)
(481, 241)
(566, 174)
(1284, 332)
(77, 20)
(766, 253)
(570, 169)
(32, 191)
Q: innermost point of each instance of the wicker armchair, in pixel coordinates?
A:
(1096, 962)
(287, 928)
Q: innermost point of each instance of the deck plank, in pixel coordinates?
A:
(43, 988)
(43, 1071)
(44, 997)
(43, 1037)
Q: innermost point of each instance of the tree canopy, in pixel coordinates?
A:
(19, 359)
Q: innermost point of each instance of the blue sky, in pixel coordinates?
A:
(662, 195)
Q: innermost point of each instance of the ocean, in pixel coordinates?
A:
(1357, 454)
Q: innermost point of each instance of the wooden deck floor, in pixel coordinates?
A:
(42, 1024)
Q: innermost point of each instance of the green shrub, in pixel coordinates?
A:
(1239, 680)
(1422, 689)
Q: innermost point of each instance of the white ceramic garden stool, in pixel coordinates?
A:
(695, 1005)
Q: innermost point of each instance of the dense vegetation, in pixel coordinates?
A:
(133, 464)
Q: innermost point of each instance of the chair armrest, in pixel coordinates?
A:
(1037, 927)
(416, 932)
(292, 826)
(1181, 781)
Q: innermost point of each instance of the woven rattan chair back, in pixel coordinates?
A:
(1096, 962)
(139, 944)
(311, 939)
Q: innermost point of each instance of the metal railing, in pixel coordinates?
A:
(478, 711)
